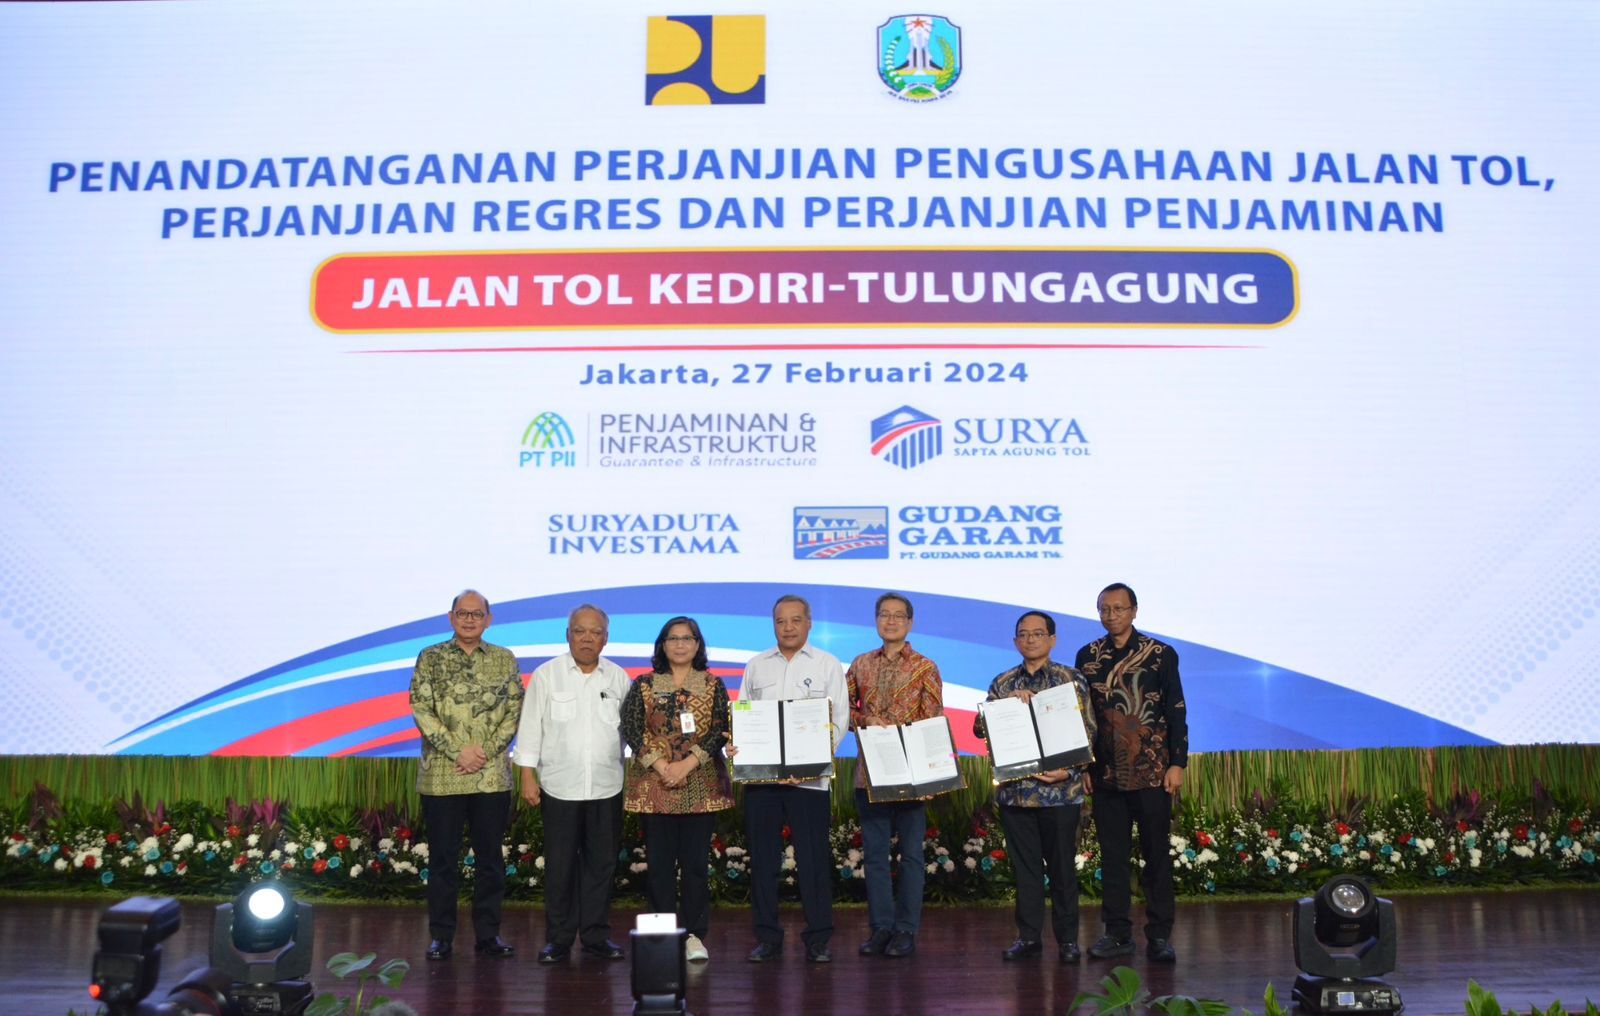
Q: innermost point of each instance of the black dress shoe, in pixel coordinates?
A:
(875, 945)
(1020, 948)
(1070, 952)
(1107, 946)
(439, 949)
(764, 951)
(818, 954)
(1159, 950)
(903, 944)
(604, 949)
(494, 947)
(552, 953)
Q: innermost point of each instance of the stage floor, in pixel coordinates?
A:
(1528, 947)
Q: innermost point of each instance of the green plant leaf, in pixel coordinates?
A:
(1271, 1005)
(1481, 1002)
(327, 1004)
(346, 963)
(393, 972)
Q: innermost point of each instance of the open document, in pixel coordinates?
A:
(1048, 732)
(915, 760)
(782, 741)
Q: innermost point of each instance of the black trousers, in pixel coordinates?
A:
(581, 840)
(1115, 812)
(679, 847)
(1040, 842)
(485, 817)
(808, 814)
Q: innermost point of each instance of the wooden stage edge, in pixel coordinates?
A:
(1526, 946)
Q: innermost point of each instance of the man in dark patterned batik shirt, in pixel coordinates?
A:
(1140, 752)
(1040, 812)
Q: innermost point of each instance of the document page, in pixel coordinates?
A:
(806, 737)
(1011, 736)
(755, 733)
(930, 751)
(1060, 720)
(885, 758)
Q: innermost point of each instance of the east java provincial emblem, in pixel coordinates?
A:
(919, 56)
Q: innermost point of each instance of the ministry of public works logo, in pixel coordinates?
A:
(706, 60)
(841, 533)
(919, 56)
(907, 437)
(548, 443)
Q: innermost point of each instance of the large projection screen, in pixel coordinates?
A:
(315, 314)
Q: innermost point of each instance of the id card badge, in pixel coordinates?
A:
(686, 722)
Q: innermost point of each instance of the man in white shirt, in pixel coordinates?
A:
(569, 749)
(793, 669)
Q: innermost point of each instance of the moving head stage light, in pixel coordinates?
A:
(1344, 938)
(262, 941)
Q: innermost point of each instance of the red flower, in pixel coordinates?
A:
(1521, 832)
(1575, 826)
(163, 829)
(716, 844)
(111, 838)
(319, 866)
(979, 831)
(1341, 829)
(855, 839)
(1272, 834)
(932, 833)
(1403, 839)
(375, 866)
(234, 832)
(341, 842)
(786, 832)
(403, 833)
(239, 862)
(90, 862)
(19, 837)
(1203, 838)
(1244, 857)
(998, 855)
(183, 867)
(1449, 857)
(1462, 826)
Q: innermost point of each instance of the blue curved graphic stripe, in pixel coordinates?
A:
(1234, 702)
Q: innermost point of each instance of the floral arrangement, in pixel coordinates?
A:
(383, 854)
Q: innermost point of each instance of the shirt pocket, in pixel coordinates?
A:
(563, 708)
(609, 711)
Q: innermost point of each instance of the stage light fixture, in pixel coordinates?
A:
(1344, 939)
(263, 942)
(660, 967)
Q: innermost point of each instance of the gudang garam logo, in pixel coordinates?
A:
(964, 532)
(852, 533)
(706, 60)
(906, 437)
(548, 443)
(919, 56)
(643, 534)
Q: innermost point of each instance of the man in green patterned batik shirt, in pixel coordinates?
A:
(466, 696)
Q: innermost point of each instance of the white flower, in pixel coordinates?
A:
(355, 870)
(355, 843)
(254, 855)
(386, 844)
(149, 870)
(1292, 856)
(637, 868)
(148, 844)
(1366, 855)
(1293, 867)
(734, 851)
(319, 846)
(853, 855)
(932, 868)
(1206, 856)
(941, 852)
(788, 864)
(420, 849)
(184, 843)
(252, 839)
(291, 847)
(60, 864)
(127, 861)
(538, 862)
(522, 848)
(971, 863)
(275, 855)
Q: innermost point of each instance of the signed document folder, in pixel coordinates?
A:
(908, 762)
(782, 741)
(1042, 734)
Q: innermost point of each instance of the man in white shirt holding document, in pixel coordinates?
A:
(793, 669)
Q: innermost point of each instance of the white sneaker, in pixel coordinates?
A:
(694, 949)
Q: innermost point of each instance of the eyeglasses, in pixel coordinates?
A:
(470, 615)
(889, 615)
(1114, 611)
(1032, 636)
(680, 638)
